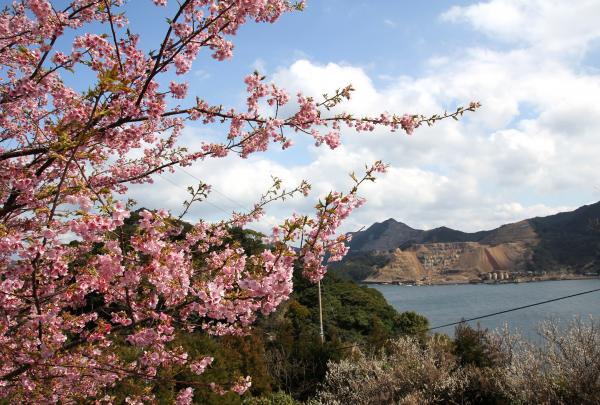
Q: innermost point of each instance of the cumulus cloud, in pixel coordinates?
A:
(555, 25)
(531, 150)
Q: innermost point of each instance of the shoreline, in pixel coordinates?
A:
(518, 280)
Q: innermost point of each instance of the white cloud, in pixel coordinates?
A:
(201, 74)
(531, 150)
(390, 23)
(555, 25)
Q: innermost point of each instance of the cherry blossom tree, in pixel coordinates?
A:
(67, 158)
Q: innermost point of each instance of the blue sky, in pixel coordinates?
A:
(386, 38)
(531, 150)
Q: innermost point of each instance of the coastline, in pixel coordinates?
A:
(516, 280)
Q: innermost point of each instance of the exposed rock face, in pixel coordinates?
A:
(394, 252)
(402, 266)
(453, 262)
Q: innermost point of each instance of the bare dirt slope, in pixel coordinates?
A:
(390, 251)
(452, 262)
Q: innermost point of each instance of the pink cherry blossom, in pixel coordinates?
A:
(198, 367)
(68, 158)
(242, 385)
(178, 90)
(185, 396)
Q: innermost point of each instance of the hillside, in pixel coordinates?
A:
(391, 251)
(392, 234)
(283, 350)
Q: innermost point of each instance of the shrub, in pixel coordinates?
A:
(479, 367)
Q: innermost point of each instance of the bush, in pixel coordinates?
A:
(412, 324)
(473, 346)
(276, 398)
(565, 369)
(477, 368)
(404, 371)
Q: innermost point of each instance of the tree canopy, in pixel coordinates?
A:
(67, 158)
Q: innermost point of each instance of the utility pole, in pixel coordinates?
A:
(319, 290)
(321, 314)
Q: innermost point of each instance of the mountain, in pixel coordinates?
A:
(568, 239)
(391, 251)
(384, 236)
(391, 234)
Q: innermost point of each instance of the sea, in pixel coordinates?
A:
(444, 304)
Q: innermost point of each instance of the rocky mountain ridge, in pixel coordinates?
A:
(562, 244)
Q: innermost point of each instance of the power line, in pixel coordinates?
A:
(513, 309)
(183, 188)
(213, 188)
(489, 315)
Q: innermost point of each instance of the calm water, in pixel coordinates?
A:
(444, 304)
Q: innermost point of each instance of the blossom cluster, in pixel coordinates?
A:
(74, 278)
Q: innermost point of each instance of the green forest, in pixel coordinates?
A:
(372, 354)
